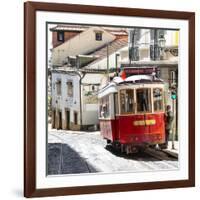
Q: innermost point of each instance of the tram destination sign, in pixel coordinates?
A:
(139, 70)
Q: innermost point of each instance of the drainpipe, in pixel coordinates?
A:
(80, 82)
(80, 93)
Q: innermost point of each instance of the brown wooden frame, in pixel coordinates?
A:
(30, 9)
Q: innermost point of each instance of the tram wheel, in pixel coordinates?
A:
(141, 149)
(108, 141)
(153, 146)
(163, 146)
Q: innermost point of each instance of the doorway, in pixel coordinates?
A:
(53, 115)
(67, 117)
(60, 120)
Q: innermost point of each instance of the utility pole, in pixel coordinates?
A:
(132, 46)
(155, 45)
(173, 126)
(173, 97)
(116, 63)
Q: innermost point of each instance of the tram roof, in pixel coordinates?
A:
(135, 79)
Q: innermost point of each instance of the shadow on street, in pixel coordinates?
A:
(62, 159)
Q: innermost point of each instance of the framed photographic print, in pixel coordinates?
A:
(109, 99)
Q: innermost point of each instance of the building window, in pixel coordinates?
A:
(58, 87)
(143, 100)
(60, 36)
(154, 48)
(135, 36)
(154, 52)
(93, 88)
(136, 55)
(157, 37)
(70, 88)
(158, 73)
(98, 36)
(126, 99)
(158, 99)
(75, 118)
(134, 41)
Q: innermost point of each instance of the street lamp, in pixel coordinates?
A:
(161, 42)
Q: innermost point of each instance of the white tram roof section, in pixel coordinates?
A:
(112, 87)
(136, 78)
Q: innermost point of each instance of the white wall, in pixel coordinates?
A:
(102, 64)
(90, 111)
(82, 43)
(90, 115)
(171, 38)
(11, 101)
(72, 103)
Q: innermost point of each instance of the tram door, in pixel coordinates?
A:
(158, 125)
(144, 106)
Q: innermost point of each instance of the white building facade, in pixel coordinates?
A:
(65, 100)
(74, 100)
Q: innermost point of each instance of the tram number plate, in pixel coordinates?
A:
(144, 122)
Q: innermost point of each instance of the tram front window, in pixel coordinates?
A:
(143, 100)
(104, 107)
(158, 99)
(126, 99)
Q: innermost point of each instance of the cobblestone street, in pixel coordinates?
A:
(71, 152)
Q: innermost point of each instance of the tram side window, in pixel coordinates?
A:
(122, 101)
(126, 100)
(100, 107)
(104, 107)
(143, 100)
(158, 99)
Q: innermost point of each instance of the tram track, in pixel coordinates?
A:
(151, 152)
(156, 159)
(162, 154)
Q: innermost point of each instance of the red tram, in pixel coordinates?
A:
(131, 112)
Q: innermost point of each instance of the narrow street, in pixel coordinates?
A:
(71, 152)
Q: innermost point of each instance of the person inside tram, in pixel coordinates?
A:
(129, 100)
(103, 111)
(143, 101)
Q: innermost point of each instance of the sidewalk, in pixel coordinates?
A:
(174, 151)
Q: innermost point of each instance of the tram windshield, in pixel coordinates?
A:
(104, 110)
(126, 100)
(143, 97)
